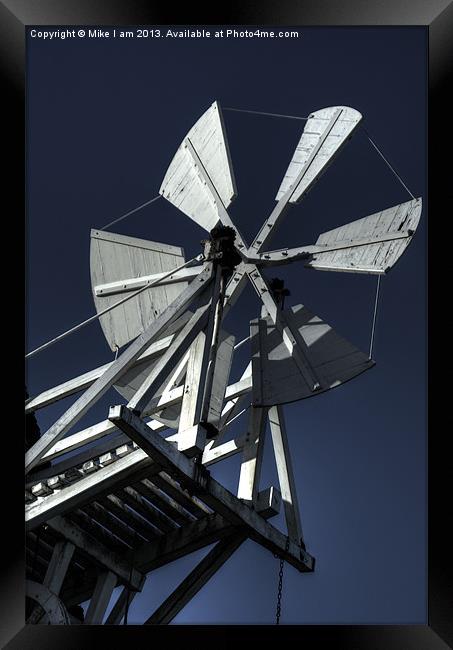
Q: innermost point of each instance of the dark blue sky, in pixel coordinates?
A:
(104, 120)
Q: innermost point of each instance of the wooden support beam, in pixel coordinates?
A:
(252, 456)
(98, 552)
(196, 579)
(199, 376)
(96, 431)
(77, 384)
(131, 284)
(285, 473)
(117, 612)
(58, 566)
(55, 574)
(191, 436)
(222, 369)
(189, 538)
(268, 506)
(100, 599)
(118, 368)
(291, 337)
(287, 255)
(198, 480)
(172, 356)
(269, 226)
(149, 556)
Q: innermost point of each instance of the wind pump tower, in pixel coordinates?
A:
(108, 504)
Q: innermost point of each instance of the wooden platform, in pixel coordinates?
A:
(138, 508)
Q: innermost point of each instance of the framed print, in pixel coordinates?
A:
(167, 154)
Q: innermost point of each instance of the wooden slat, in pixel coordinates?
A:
(96, 531)
(171, 487)
(138, 527)
(137, 502)
(112, 523)
(164, 502)
(76, 495)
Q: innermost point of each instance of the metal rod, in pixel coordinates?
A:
(242, 110)
(199, 258)
(374, 315)
(385, 159)
(130, 212)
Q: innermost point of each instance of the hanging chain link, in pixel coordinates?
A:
(280, 586)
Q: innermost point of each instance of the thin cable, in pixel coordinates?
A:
(242, 110)
(123, 216)
(374, 315)
(198, 258)
(385, 159)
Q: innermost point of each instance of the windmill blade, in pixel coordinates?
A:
(332, 357)
(369, 245)
(324, 134)
(116, 257)
(200, 180)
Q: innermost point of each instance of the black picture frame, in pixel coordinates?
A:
(15, 15)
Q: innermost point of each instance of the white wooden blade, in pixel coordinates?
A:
(333, 358)
(369, 245)
(116, 257)
(184, 185)
(321, 140)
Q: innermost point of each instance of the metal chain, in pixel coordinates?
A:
(280, 586)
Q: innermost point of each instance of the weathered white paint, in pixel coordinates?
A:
(285, 472)
(183, 184)
(252, 456)
(351, 247)
(117, 257)
(131, 284)
(322, 138)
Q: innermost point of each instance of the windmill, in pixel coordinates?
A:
(119, 499)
